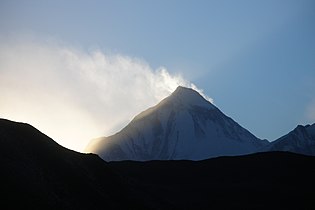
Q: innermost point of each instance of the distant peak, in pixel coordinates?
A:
(308, 128)
(301, 127)
(188, 96)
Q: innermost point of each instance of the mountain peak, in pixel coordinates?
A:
(182, 89)
(182, 126)
(182, 97)
(188, 97)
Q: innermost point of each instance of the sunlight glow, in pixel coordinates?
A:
(74, 96)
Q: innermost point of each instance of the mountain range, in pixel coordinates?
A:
(185, 126)
(38, 173)
(171, 143)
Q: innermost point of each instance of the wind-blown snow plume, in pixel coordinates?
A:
(74, 96)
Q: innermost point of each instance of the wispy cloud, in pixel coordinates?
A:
(73, 95)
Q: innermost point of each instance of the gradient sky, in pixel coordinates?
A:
(256, 59)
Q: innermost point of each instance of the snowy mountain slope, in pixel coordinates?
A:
(182, 126)
(301, 140)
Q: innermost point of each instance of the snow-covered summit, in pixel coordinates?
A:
(188, 97)
(182, 126)
(181, 98)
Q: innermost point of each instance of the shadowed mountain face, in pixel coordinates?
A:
(37, 173)
(182, 126)
(301, 140)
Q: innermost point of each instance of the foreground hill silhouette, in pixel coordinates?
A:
(37, 173)
(272, 180)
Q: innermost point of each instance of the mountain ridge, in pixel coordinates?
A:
(300, 140)
(182, 126)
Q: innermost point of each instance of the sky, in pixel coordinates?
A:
(77, 70)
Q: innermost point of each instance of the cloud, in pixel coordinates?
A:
(73, 95)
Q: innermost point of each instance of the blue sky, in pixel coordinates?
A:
(256, 59)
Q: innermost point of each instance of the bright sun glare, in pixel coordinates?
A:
(73, 96)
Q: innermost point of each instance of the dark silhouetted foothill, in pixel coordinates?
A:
(37, 173)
